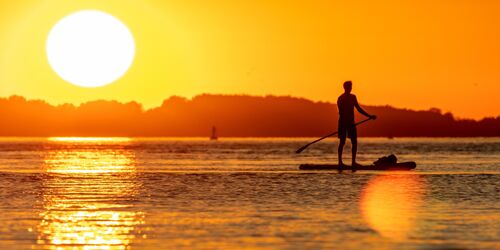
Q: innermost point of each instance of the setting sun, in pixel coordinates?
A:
(90, 48)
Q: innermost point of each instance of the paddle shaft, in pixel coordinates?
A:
(326, 136)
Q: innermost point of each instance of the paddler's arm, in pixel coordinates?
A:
(362, 111)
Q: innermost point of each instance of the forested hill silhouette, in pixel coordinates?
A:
(233, 115)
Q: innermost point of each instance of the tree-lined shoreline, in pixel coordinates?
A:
(233, 115)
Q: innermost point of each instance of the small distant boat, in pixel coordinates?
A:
(401, 166)
(214, 134)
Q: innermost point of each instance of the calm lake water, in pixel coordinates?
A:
(132, 193)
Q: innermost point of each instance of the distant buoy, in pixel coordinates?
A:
(214, 134)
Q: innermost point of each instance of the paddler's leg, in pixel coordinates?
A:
(342, 134)
(341, 148)
(354, 142)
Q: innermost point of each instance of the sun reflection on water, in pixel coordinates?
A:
(390, 204)
(89, 139)
(87, 199)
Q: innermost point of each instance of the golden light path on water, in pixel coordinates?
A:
(89, 139)
(390, 204)
(86, 198)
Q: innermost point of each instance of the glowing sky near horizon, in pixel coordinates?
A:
(408, 54)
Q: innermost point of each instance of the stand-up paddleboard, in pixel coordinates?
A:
(401, 166)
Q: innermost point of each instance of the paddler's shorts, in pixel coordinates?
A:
(347, 130)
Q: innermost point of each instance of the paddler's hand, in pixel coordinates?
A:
(373, 117)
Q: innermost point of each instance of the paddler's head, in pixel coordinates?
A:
(348, 86)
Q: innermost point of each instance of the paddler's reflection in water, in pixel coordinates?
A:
(390, 204)
(86, 200)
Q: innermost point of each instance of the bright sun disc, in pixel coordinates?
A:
(90, 48)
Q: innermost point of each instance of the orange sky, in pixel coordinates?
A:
(413, 54)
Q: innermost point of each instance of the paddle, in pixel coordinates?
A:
(326, 136)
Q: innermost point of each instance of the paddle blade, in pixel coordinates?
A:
(301, 149)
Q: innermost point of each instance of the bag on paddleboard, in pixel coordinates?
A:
(386, 160)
